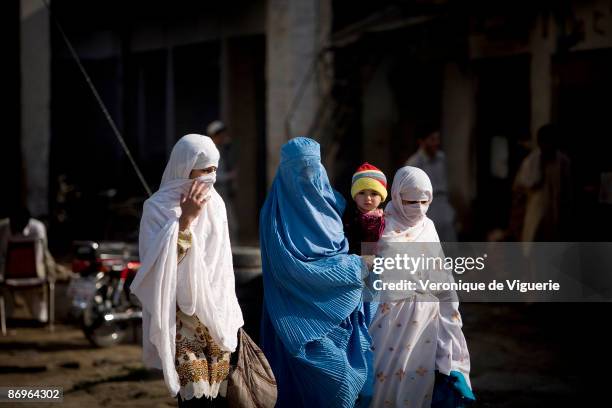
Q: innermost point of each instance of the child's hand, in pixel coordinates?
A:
(379, 212)
(369, 261)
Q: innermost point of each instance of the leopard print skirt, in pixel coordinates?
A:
(201, 365)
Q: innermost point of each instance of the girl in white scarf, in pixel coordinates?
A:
(415, 337)
(191, 314)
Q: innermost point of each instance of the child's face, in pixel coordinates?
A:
(367, 200)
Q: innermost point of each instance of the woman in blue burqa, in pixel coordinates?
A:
(314, 324)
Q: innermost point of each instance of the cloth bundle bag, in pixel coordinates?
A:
(251, 384)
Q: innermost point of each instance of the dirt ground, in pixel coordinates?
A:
(90, 377)
(522, 356)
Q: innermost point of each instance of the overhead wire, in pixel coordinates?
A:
(99, 100)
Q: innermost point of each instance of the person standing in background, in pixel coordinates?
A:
(432, 161)
(227, 173)
(18, 226)
(545, 178)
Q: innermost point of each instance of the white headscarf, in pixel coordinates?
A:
(408, 222)
(203, 283)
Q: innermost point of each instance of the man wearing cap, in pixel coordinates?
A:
(226, 173)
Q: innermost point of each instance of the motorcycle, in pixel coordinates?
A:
(100, 293)
(103, 304)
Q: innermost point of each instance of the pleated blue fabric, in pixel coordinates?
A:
(315, 325)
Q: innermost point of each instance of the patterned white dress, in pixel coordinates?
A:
(413, 338)
(201, 365)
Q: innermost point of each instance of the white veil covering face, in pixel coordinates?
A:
(409, 222)
(203, 283)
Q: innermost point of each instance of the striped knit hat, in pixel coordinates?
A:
(368, 177)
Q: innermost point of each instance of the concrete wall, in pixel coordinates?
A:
(35, 101)
(296, 32)
(542, 44)
(239, 100)
(10, 152)
(379, 119)
(596, 18)
(146, 36)
(595, 21)
(457, 130)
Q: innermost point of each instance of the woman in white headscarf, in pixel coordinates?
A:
(417, 341)
(185, 283)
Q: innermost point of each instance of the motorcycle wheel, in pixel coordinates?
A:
(100, 332)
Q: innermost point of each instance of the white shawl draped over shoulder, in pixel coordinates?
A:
(203, 283)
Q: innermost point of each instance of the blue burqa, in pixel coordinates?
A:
(315, 324)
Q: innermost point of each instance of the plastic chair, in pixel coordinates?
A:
(22, 271)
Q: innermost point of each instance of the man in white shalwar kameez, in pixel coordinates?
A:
(21, 226)
(432, 161)
(415, 337)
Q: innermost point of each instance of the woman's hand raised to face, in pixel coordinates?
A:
(192, 204)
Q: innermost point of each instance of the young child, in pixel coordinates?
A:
(421, 355)
(365, 222)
